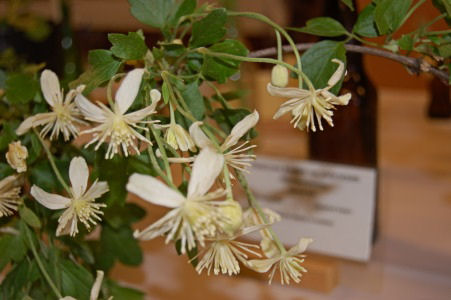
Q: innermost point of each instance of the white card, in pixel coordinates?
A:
(333, 204)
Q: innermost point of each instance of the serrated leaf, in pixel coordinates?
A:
(210, 29)
(103, 68)
(131, 46)
(349, 4)
(154, 13)
(220, 69)
(389, 14)
(122, 244)
(29, 217)
(194, 100)
(317, 62)
(20, 88)
(322, 26)
(365, 24)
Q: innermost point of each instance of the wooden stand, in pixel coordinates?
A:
(322, 275)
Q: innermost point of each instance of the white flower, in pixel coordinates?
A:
(305, 105)
(252, 218)
(9, 195)
(224, 253)
(193, 217)
(81, 205)
(114, 124)
(16, 156)
(237, 157)
(95, 290)
(288, 263)
(179, 138)
(279, 76)
(64, 115)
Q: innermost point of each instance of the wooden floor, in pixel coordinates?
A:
(412, 258)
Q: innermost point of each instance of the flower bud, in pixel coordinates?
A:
(16, 156)
(279, 76)
(233, 213)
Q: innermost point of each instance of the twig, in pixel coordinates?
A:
(416, 65)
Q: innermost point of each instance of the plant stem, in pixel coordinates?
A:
(41, 265)
(156, 134)
(254, 204)
(411, 11)
(227, 182)
(52, 163)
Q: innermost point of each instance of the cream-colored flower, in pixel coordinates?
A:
(179, 138)
(279, 76)
(64, 116)
(115, 125)
(81, 205)
(95, 290)
(193, 217)
(224, 253)
(306, 105)
(9, 195)
(252, 218)
(16, 156)
(234, 157)
(288, 263)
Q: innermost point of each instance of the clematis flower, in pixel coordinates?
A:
(193, 217)
(64, 116)
(235, 157)
(95, 290)
(179, 138)
(252, 218)
(9, 195)
(16, 156)
(224, 253)
(81, 205)
(288, 263)
(306, 105)
(115, 125)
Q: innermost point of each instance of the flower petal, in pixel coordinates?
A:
(335, 78)
(199, 137)
(51, 201)
(90, 111)
(154, 191)
(300, 247)
(261, 265)
(129, 89)
(240, 129)
(26, 125)
(287, 92)
(96, 286)
(206, 168)
(78, 175)
(50, 86)
(97, 189)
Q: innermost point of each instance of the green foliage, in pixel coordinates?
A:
(12, 247)
(124, 293)
(7, 135)
(185, 8)
(389, 14)
(219, 69)
(128, 47)
(76, 281)
(154, 13)
(20, 88)
(323, 26)
(121, 244)
(318, 65)
(444, 6)
(210, 29)
(365, 25)
(349, 4)
(19, 280)
(29, 217)
(194, 99)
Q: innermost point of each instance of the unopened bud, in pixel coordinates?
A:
(234, 215)
(279, 76)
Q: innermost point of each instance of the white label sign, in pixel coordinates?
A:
(331, 203)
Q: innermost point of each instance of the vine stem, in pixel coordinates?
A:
(41, 265)
(254, 204)
(414, 64)
(52, 163)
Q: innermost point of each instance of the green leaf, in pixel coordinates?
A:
(122, 244)
(29, 217)
(124, 293)
(349, 4)
(7, 135)
(210, 29)
(445, 50)
(76, 281)
(365, 25)
(317, 62)
(322, 26)
(107, 170)
(444, 6)
(12, 247)
(118, 216)
(19, 280)
(154, 13)
(185, 8)
(227, 118)
(220, 69)
(20, 88)
(194, 100)
(389, 14)
(103, 68)
(406, 42)
(131, 46)
(165, 93)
